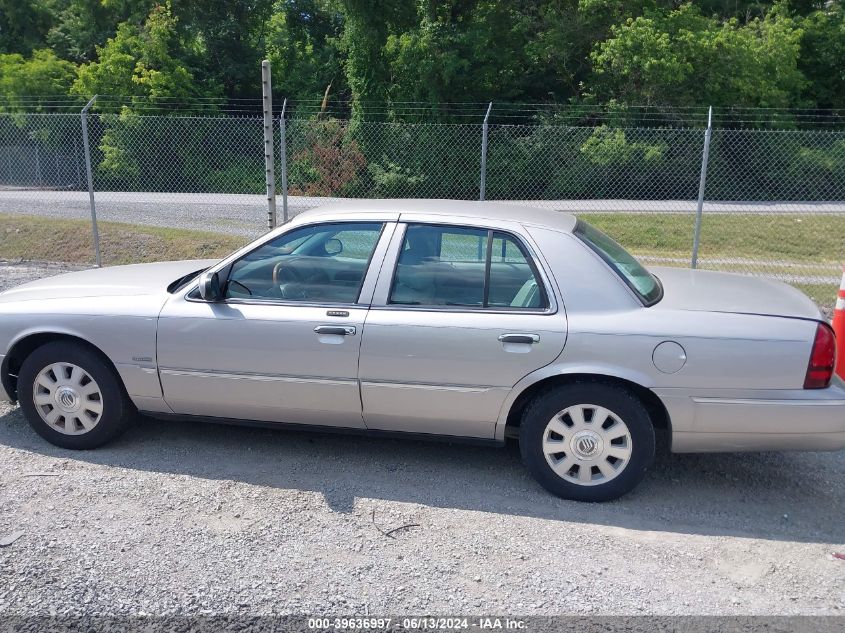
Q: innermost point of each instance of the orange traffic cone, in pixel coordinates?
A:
(839, 327)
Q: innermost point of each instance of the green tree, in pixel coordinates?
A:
(304, 49)
(140, 62)
(680, 57)
(223, 41)
(41, 75)
(79, 26)
(365, 32)
(567, 31)
(823, 56)
(23, 25)
(661, 52)
(462, 51)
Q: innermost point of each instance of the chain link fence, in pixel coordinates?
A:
(41, 152)
(773, 205)
(342, 159)
(197, 173)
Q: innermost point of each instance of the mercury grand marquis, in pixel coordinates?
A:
(432, 318)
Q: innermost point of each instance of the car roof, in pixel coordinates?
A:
(502, 211)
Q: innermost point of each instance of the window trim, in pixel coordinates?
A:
(283, 302)
(488, 262)
(549, 307)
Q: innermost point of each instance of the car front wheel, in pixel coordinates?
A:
(587, 441)
(71, 397)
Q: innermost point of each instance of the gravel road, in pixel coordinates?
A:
(14, 273)
(189, 518)
(246, 214)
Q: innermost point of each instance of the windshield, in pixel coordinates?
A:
(646, 285)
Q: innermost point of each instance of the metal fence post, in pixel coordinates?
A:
(76, 162)
(90, 175)
(269, 160)
(696, 240)
(37, 166)
(482, 191)
(283, 158)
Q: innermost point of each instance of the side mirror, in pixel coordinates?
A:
(333, 246)
(209, 287)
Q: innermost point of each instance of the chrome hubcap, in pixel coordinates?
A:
(67, 398)
(587, 444)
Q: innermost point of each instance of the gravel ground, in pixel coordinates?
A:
(14, 273)
(189, 518)
(246, 214)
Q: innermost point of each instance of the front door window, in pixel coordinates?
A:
(323, 263)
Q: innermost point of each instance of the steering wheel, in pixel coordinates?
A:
(298, 284)
(290, 282)
(290, 275)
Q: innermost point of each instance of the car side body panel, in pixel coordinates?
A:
(259, 362)
(443, 369)
(128, 340)
(264, 359)
(765, 352)
(740, 385)
(114, 309)
(448, 373)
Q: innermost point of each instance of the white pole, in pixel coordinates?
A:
(90, 175)
(269, 160)
(701, 184)
(483, 186)
(283, 157)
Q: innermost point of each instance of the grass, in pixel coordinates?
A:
(798, 247)
(811, 239)
(50, 239)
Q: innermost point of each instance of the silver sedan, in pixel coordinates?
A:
(435, 319)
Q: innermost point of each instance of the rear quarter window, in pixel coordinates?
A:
(645, 285)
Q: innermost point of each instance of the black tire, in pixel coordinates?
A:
(623, 404)
(117, 411)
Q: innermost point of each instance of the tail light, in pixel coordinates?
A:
(822, 359)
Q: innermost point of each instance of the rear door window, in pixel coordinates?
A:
(513, 281)
(465, 267)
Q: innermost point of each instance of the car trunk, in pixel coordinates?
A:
(704, 290)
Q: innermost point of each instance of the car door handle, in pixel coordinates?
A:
(528, 339)
(337, 330)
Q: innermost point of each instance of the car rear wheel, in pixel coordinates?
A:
(71, 397)
(587, 441)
